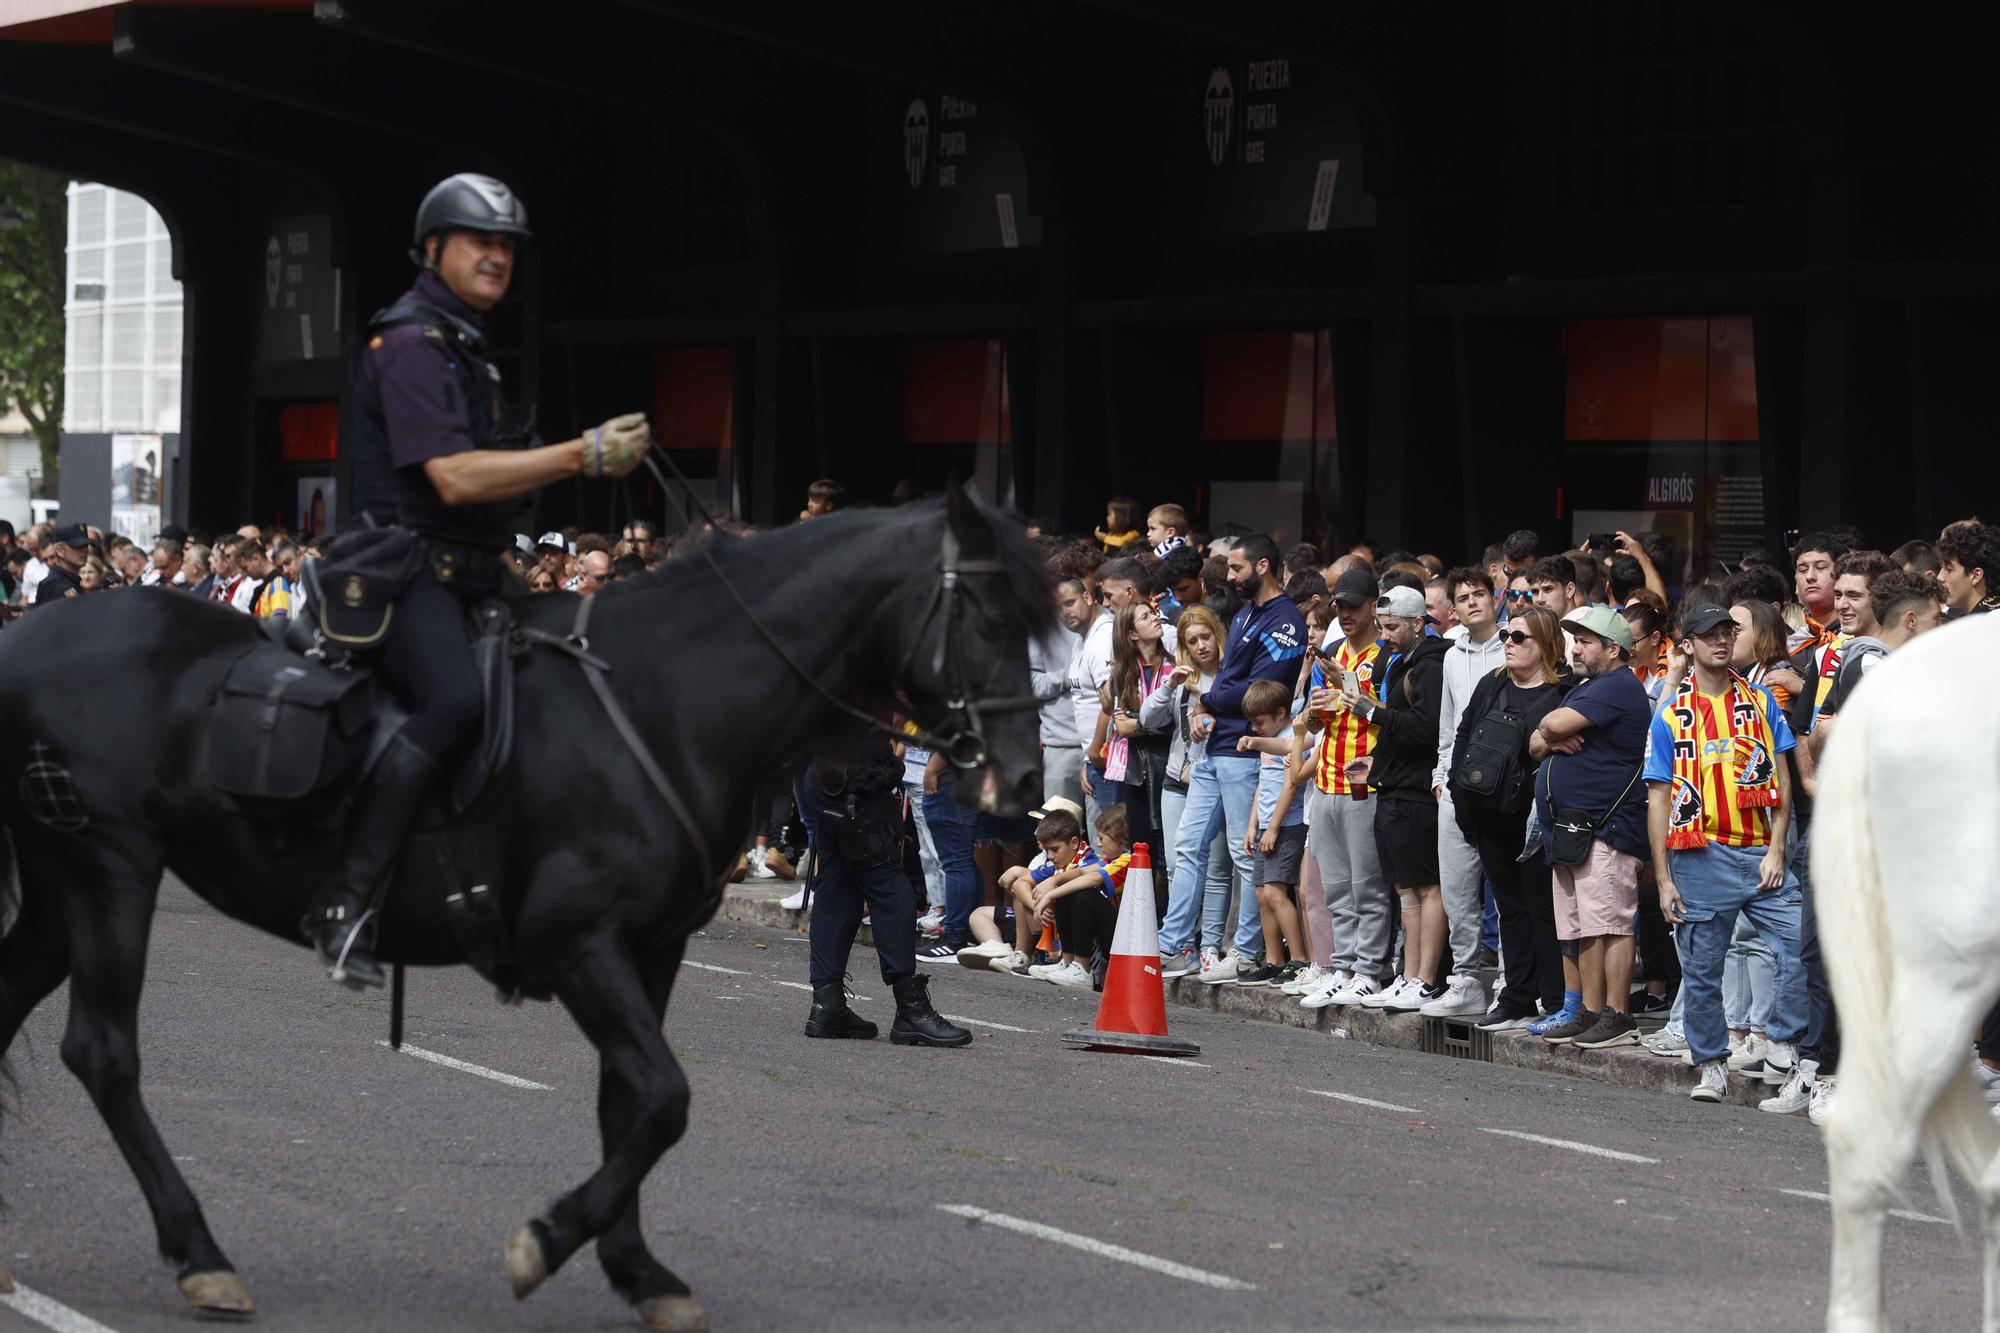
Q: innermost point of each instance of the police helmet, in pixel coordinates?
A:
(472, 202)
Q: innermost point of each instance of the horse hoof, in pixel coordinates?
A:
(218, 1292)
(673, 1314)
(526, 1267)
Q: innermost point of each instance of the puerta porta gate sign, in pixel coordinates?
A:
(297, 305)
(964, 174)
(1280, 150)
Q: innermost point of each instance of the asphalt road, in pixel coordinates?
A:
(356, 1188)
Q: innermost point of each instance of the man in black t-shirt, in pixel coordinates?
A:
(1595, 743)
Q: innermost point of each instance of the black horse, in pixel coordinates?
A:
(861, 602)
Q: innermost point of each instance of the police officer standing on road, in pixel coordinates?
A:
(855, 823)
(63, 553)
(434, 451)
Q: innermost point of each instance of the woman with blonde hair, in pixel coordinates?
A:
(1196, 911)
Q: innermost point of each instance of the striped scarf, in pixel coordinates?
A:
(1747, 732)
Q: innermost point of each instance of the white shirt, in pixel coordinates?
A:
(1089, 669)
(31, 579)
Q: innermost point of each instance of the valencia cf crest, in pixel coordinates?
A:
(1687, 803)
(1218, 110)
(916, 140)
(1758, 766)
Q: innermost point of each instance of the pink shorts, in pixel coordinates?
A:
(1598, 897)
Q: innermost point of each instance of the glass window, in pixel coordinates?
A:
(128, 272)
(167, 337)
(124, 400)
(128, 339)
(86, 266)
(81, 408)
(130, 217)
(88, 210)
(84, 342)
(163, 269)
(167, 402)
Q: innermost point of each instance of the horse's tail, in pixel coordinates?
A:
(1871, 1134)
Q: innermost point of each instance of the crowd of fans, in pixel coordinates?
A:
(1581, 777)
(1548, 791)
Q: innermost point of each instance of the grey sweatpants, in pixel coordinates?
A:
(1463, 887)
(1359, 901)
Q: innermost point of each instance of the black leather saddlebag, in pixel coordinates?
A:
(284, 728)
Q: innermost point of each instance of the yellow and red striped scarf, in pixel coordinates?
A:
(1742, 766)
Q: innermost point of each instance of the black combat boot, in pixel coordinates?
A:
(917, 1024)
(830, 1016)
(341, 920)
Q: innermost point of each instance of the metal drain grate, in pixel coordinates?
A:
(1464, 1041)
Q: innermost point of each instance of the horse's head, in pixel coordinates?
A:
(985, 594)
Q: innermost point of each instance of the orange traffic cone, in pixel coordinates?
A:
(1132, 1016)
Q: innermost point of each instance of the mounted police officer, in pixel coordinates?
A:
(436, 452)
(855, 822)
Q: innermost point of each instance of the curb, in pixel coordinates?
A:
(1628, 1067)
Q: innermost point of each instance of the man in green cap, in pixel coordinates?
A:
(1595, 743)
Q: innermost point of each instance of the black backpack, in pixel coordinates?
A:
(1490, 771)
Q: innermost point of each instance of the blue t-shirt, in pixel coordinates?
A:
(1613, 747)
(1271, 780)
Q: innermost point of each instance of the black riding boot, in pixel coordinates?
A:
(341, 920)
(917, 1024)
(830, 1016)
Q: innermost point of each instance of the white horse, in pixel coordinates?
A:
(1906, 885)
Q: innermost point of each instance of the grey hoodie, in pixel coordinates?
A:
(1464, 664)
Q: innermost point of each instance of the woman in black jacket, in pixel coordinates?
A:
(1492, 788)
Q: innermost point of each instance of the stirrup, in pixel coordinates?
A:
(337, 969)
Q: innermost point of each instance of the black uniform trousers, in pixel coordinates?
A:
(838, 891)
(427, 659)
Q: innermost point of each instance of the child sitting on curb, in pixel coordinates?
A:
(1082, 901)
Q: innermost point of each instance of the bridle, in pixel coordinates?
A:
(961, 737)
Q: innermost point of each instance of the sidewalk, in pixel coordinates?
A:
(1627, 1066)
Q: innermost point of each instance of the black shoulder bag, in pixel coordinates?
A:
(1488, 768)
(1572, 831)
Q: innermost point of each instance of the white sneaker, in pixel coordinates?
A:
(1008, 961)
(1822, 1100)
(1714, 1085)
(1321, 995)
(1666, 1042)
(1221, 972)
(758, 868)
(975, 955)
(931, 922)
(1796, 1095)
(1464, 997)
(1414, 996)
(1305, 982)
(1356, 990)
(1989, 1080)
(1746, 1052)
(1044, 971)
(796, 901)
(1383, 999)
(1781, 1061)
(1074, 975)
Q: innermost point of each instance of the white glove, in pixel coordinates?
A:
(615, 448)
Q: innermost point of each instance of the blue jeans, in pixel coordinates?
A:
(1221, 795)
(951, 826)
(1822, 1039)
(1211, 893)
(1746, 979)
(1717, 884)
(926, 849)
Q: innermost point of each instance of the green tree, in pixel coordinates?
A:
(34, 220)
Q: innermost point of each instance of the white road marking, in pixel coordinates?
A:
(1102, 1249)
(800, 985)
(711, 967)
(1363, 1101)
(482, 1071)
(28, 1302)
(1903, 1213)
(1176, 1060)
(988, 1023)
(1574, 1146)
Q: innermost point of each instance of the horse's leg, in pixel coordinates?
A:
(601, 988)
(661, 1298)
(109, 912)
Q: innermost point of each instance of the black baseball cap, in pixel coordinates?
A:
(174, 532)
(73, 535)
(1701, 619)
(1356, 587)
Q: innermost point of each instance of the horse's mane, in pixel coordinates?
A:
(799, 545)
